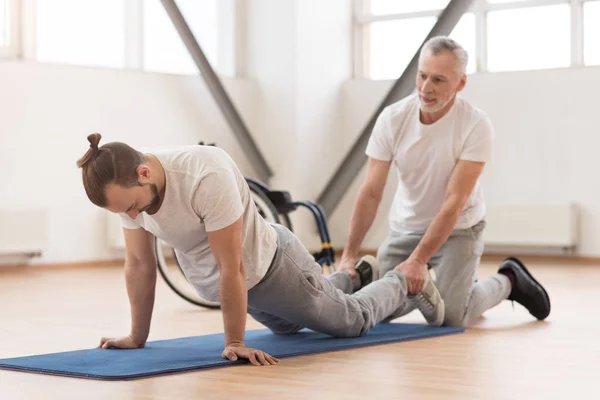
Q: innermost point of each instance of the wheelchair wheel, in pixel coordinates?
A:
(286, 221)
(266, 207)
(171, 271)
(263, 205)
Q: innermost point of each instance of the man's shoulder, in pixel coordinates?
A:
(469, 111)
(186, 151)
(403, 107)
(475, 123)
(194, 158)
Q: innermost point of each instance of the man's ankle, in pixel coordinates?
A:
(356, 282)
(510, 275)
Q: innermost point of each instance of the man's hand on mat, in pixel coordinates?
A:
(122, 343)
(256, 357)
(415, 271)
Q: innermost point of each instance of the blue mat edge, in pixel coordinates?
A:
(432, 333)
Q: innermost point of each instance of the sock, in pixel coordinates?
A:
(357, 281)
(510, 275)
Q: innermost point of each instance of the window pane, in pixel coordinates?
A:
(164, 50)
(3, 22)
(464, 34)
(591, 33)
(515, 44)
(90, 32)
(382, 7)
(389, 55)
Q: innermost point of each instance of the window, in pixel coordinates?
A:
(384, 7)
(136, 34)
(10, 29)
(390, 33)
(464, 34)
(9, 24)
(164, 51)
(591, 33)
(389, 55)
(3, 23)
(90, 32)
(394, 43)
(499, 35)
(514, 44)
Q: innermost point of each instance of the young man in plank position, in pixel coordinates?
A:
(195, 199)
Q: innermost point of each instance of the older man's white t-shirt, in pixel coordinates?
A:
(424, 157)
(205, 191)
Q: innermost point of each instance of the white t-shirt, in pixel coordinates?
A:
(425, 156)
(206, 192)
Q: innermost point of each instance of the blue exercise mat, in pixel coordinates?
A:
(198, 352)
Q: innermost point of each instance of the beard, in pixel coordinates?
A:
(152, 207)
(437, 106)
(155, 196)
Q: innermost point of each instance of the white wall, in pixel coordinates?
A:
(300, 56)
(546, 143)
(47, 112)
(269, 60)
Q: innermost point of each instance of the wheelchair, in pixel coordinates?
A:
(274, 206)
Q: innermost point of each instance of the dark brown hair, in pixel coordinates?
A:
(114, 162)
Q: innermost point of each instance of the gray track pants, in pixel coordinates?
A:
(455, 266)
(294, 294)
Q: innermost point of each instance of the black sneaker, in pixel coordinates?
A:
(367, 269)
(527, 291)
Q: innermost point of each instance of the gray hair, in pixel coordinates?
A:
(439, 44)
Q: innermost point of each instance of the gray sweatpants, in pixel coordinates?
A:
(294, 294)
(455, 266)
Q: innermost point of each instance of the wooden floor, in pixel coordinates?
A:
(506, 356)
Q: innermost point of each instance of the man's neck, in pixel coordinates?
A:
(159, 176)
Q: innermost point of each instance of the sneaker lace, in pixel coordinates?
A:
(424, 302)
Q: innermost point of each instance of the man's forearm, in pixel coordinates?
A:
(438, 231)
(234, 303)
(362, 218)
(141, 284)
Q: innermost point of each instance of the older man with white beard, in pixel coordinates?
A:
(439, 144)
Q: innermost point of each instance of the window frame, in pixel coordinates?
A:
(23, 23)
(12, 48)
(480, 9)
(582, 33)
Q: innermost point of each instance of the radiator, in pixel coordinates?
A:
(532, 228)
(23, 232)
